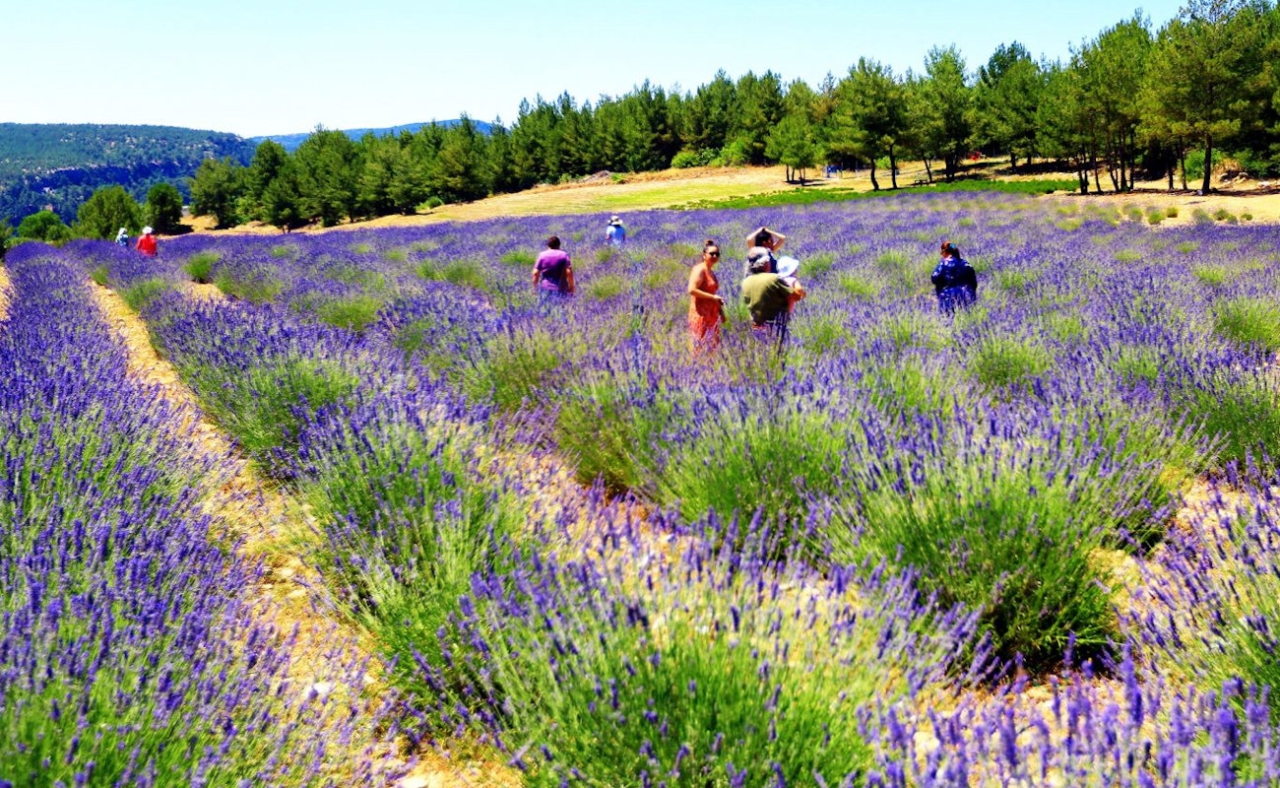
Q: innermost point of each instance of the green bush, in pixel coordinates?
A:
(411, 500)
(819, 264)
(1004, 364)
(602, 288)
(608, 434)
(259, 289)
(1240, 413)
(44, 226)
(464, 272)
(1249, 321)
(355, 313)
(100, 275)
(685, 159)
(513, 368)
(963, 517)
(769, 466)
(200, 266)
(858, 287)
(260, 406)
(520, 258)
(1212, 275)
(142, 293)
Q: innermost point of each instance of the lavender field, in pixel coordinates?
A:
(1033, 543)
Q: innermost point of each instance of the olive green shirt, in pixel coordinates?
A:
(766, 296)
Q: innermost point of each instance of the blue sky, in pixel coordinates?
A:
(258, 67)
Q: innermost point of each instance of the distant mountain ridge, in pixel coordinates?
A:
(290, 142)
(61, 165)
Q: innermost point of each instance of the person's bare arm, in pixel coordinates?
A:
(536, 276)
(568, 272)
(778, 239)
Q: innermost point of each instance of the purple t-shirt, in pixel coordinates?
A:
(553, 267)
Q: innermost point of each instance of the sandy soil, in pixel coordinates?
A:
(271, 525)
(1249, 199)
(6, 288)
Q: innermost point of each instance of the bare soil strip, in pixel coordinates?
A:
(269, 524)
(6, 293)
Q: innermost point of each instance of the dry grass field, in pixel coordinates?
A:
(623, 192)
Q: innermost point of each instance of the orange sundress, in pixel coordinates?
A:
(704, 315)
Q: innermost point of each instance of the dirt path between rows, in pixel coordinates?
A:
(269, 524)
(6, 290)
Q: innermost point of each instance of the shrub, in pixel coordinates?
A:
(265, 407)
(819, 264)
(1212, 275)
(685, 159)
(603, 288)
(609, 426)
(955, 506)
(257, 288)
(99, 275)
(514, 367)
(767, 468)
(1201, 216)
(1249, 321)
(697, 672)
(520, 258)
(858, 287)
(1239, 413)
(406, 492)
(200, 266)
(1155, 216)
(355, 313)
(465, 272)
(1004, 365)
(139, 294)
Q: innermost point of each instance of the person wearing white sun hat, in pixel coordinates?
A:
(615, 232)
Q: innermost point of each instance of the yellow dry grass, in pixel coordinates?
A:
(6, 288)
(675, 188)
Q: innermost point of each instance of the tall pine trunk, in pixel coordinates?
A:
(1208, 164)
(893, 167)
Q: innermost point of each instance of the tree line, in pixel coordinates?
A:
(1130, 103)
(59, 166)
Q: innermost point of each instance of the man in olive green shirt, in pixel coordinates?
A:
(769, 300)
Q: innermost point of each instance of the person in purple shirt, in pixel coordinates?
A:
(553, 273)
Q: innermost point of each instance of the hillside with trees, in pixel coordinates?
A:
(1133, 103)
(60, 166)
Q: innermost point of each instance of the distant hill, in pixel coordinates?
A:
(292, 141)
(60, 165)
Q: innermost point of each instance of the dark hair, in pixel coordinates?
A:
(763, 237)
(553, 242)
(949, 250)
(707, 244)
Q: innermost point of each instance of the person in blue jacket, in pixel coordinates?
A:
(954, 280)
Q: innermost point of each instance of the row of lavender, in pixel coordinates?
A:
(129, 654)
(1003, 455)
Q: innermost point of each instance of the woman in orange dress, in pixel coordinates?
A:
(706, 309)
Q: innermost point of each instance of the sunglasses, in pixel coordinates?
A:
(712, 254)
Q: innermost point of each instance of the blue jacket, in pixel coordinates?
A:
(955, 283)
